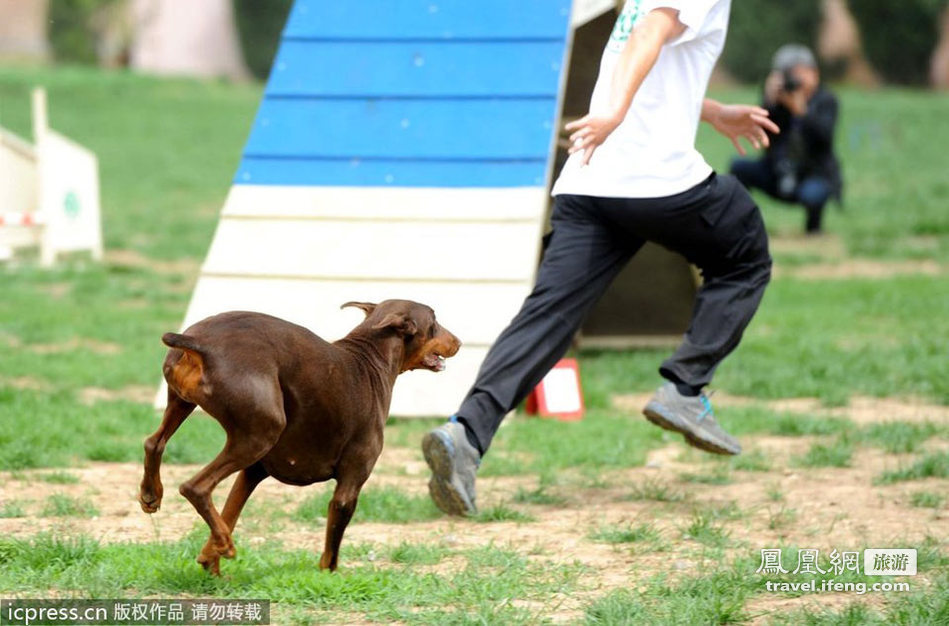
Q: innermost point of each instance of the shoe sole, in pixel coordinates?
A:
(446, 496)
(656, 414)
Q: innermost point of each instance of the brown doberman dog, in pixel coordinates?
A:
(294, 407)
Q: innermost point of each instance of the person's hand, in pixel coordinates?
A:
(739, 120)
(795, 101)
(773, 86)
(589, 132)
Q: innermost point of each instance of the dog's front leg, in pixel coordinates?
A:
(352, 472)
(341, 510)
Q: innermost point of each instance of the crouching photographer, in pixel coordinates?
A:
(799, 165)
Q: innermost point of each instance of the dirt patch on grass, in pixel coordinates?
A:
(133, 258)
(685, 516)
(26, 383)
(56, 291)
(864, 410)
(143, 394)
(860, 268)
(826, 246)
(76, 343)
(762, 609)
(831, 503)
(860, 409)
(825, 258)
(10, 340)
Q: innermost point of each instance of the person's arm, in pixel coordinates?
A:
(637, 59)
(740, 120)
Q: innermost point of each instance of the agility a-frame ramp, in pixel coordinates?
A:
(401, 150)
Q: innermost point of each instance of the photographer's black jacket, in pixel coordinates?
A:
(808, 141)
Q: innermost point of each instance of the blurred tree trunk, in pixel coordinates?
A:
(187, 38)
(114, 27)
(939, 68)
(839, 41)
(23, 29)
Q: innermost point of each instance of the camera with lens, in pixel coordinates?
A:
(790, 82)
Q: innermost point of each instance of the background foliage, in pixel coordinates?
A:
(259, 25)
(759, 27)
(899, 37)
(70, 35)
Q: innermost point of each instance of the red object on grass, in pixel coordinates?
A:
(559, 394)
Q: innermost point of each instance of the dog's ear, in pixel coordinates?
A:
(367, 307)
(400, 322)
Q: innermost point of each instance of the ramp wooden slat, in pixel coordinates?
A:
(373, 250)
(403, 129)
(325, 202)
(414, 69)
(390, 172)
(428, 19)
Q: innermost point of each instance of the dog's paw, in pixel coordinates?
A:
(228, 551)
(149, 495)
(211, 564)
(327, 562)
(150, 502)
(211, 553)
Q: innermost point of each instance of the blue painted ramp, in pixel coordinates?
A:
(433, 93)
(401, 150)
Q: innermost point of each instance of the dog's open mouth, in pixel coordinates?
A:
(434, 362)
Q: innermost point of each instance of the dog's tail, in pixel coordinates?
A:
(185, 374)
(182, 342)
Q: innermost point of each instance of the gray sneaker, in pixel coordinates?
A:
(454, 462)
(692, 416)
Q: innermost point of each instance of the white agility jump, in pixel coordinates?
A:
(49, 192)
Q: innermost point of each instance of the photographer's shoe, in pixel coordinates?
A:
(453, 461)
(692, 416)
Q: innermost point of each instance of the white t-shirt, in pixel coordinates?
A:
(652, 152)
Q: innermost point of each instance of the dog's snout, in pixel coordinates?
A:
(456, 342)
(451, 342)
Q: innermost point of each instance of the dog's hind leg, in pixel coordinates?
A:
(176, 411)
(248, 440)
(244, 485)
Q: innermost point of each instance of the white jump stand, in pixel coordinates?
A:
(49, 192)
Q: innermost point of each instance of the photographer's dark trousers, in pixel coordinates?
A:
(812, 192)
(715, 225)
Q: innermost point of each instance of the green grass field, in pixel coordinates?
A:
(604, 521)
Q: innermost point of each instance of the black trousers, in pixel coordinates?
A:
(715, 225)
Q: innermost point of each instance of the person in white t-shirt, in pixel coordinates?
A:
(633, 176)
